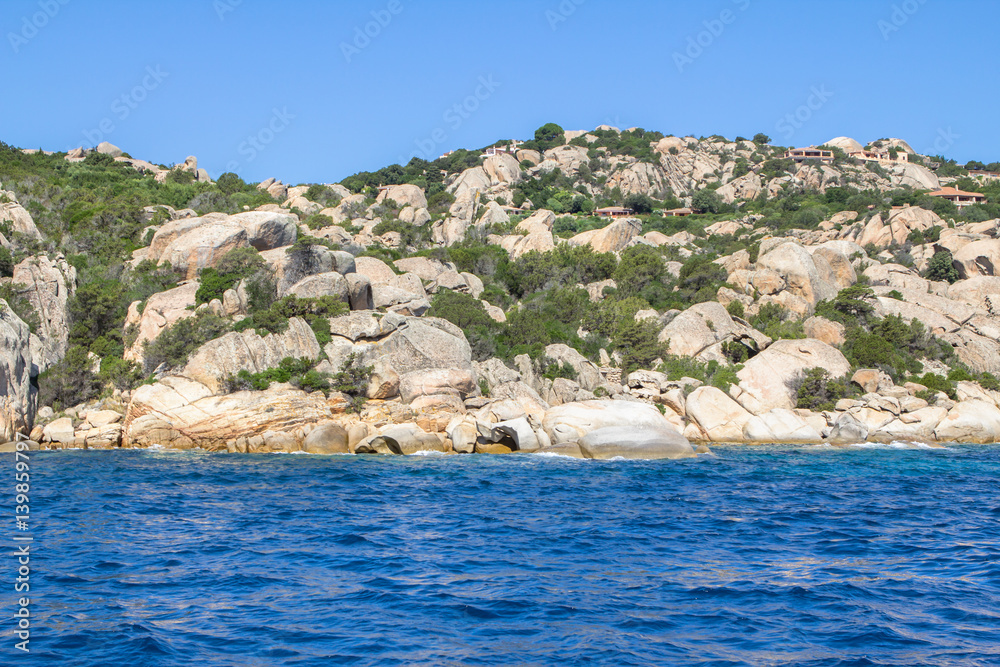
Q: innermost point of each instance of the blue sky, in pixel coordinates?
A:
(298, 91)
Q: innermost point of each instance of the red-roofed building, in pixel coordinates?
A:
(959, 198)
(613, 212)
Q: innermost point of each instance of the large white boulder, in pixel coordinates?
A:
(766, 380)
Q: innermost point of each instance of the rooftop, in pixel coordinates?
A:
(954, 192)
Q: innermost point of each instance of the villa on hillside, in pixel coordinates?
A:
(879, 155)
(983, 174)
(509, 149)
(678, 213)
(810, 153)
(958, 197)
(613, 212)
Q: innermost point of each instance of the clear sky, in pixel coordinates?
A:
(299, 91)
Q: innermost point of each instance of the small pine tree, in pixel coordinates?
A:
(942, 267)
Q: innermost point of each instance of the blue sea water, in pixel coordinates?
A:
(763, 556)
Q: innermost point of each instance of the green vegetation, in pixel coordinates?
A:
(352, 380)
(712, 373)
(818, 392)
(93, 212)
(941, 267)
(234, 266)
(13, 295)
(69, 382)
(274, 319)
(298, 372)
(176, 343)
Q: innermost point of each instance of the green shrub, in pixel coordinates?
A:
(551, 369)
(735, 351)
(352, 380)
(736, 309)
(120, 373)
(176, 343)
(275, 318)
(289, 370)
(850, 305)
(318, 221)
(816, 391)
(774, 321)
(233, 267)
(229, 183)
(323, 196)
(70, 382)
(175, 176)
(712, 373)
(462, 310)
(941, 267)
(6, 263)
(18, 303)
(936, 383)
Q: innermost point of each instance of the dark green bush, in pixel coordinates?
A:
(289, 370)
(70, 382)
(818, 392)
(233, 267)
(638, 344)
(352, 380)
(936, 383)
(941, 267)
(175, 344)
(462, 310)
(275, 318)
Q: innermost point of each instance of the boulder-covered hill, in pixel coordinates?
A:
(476, 303)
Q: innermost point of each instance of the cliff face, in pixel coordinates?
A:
(18, 398)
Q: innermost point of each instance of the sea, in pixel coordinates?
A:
(765, 555)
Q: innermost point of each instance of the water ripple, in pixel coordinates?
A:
(762, 556)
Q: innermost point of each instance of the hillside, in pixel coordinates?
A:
(496, 299)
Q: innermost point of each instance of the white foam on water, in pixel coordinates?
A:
(426, 452)
(900, 444)
(554, 455)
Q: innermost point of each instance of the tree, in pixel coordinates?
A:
(638, 343)
(462, 310)
(69, 382)
(6, 263)
(706, 201)
(229, 183)
(549, 136)
(760, 138)
(640, 265)
(942, 267)
(640, 203)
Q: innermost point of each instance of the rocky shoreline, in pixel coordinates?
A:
(431, 400)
